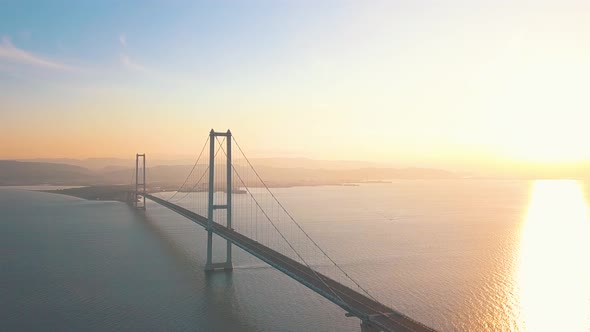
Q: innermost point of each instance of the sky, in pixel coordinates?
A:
(455, 84)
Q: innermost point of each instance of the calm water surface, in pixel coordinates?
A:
(465, 255)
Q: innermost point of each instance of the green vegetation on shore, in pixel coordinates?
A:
(96, 193)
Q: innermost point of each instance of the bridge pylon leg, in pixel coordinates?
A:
(139, 182)
(227, 265)
(210, 266)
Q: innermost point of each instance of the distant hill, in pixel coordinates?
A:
(13, 173)
(170, 176)
(312, 163)
(106, 164)
(118, 163)
(90, 163)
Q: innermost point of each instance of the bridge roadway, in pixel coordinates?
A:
(373, 314)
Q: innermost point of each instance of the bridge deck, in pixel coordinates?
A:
(350, 300)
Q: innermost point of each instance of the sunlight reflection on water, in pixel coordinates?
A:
(553, 274)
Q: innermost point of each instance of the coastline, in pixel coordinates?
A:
(95, 193)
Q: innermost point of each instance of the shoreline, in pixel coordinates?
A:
(95, 193)
(119, 192)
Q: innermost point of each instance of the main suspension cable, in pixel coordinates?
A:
(299, 226)
(191, 172)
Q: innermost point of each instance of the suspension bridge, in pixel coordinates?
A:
(225, 195)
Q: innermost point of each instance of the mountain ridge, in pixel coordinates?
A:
(14, 172)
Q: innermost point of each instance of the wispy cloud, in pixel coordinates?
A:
(131, 65)
(13, 54)
(123, 40)
(126, 60)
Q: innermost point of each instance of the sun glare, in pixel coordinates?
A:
(553, 272)
(540, 147)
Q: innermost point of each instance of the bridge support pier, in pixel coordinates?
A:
(366, 326)
(210, 266)
(227, 265)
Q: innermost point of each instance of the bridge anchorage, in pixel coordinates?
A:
(241, 209)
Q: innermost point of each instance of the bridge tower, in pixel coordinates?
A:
(139, 181)
(227, 265)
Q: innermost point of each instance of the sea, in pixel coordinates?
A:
(456, 255)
